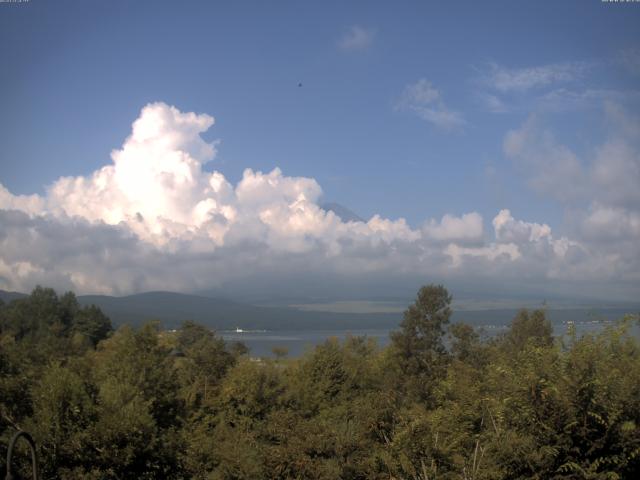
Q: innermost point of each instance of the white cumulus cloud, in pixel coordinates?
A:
(508, 229)
(467, 228)
(155, 219)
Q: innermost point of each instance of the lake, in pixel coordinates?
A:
(297, 342)
(261, 343)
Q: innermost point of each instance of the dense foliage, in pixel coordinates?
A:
(144, 403)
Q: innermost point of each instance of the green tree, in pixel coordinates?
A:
(204, 362)
(92, 324)
(138, 405)
(418, 346)
(531, 328)
(466, 345)
(63, 410)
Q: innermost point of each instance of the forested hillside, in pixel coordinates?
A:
(146, 403)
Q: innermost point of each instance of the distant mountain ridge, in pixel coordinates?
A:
(7, 297)
(172, 309)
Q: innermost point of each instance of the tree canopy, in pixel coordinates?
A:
(440, 402)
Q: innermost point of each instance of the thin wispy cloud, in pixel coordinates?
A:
(599, 188)
(493, 103)
(506, 79)
(554, 87)
(356, 38)
(564, 99)
(426, 101)
(552, 168)
(630, 60)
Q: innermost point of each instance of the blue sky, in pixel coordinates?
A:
(404, 110)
